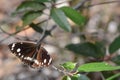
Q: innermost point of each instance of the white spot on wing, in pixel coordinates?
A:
(13, 45)
(19, 54)
(42, 63)
(50, 61)
(28, 58)
(18, 50)
(22, 56)
(45, 60)
(36, 61)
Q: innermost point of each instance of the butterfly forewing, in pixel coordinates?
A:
(22, 48)
(28, 54)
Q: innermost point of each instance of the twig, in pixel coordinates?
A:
(62, 71)
(63, 2)
(102, 3)
(80, 4)
(13, 34)
(17, 31)
(41, 22)
(44, 35)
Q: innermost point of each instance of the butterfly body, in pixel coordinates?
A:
(30, 54)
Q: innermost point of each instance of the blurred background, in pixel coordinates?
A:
(103, 25)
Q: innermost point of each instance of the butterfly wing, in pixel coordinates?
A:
(23, 50)
(42, 58)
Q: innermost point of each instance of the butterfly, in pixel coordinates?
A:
(30, 54)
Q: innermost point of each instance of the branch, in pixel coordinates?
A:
(9, 35)
(45, 35)
(102, 3)
(12, 33)
(63, 71)
(80, 4)
(64, 1)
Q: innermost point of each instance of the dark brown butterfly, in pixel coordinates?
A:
(28, 53)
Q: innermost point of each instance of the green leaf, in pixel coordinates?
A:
(115, 45)
(113, 77)
(116, 59)
(30, 16)
(87, 49)
(66, 78)
(30, 5)
(79, 77)
(76, 17)
(54, 1)
(107, 74)
(42, 0)
(60, 18)
(96, 67)
(69, 65)
(38, 29)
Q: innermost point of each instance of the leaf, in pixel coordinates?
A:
(96, 67)
(69, 65)
(87, 49)
(116, 59)
(79, 77)
(54, 1)
(66, 78)
(42, 0)
(38, 29)
(30, 16)
(107, 74)
(60, 18)
(76, 17)
(115, 45)
(114, 76)
(30, 5)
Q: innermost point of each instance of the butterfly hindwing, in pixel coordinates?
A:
(43, 57)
